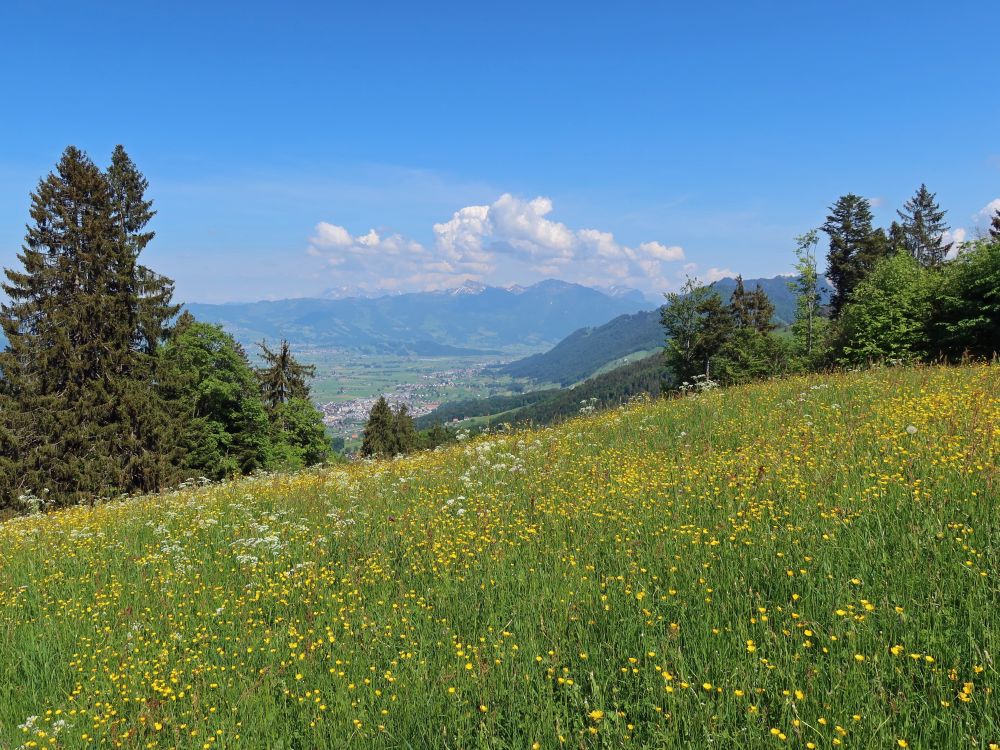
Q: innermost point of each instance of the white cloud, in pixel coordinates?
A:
(511, 239)
(986, 214)
(662, 252)
(714, 274)
(331, 235)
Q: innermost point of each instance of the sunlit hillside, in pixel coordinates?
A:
(808, 563)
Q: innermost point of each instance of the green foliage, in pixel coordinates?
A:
(404, 435)
(81, 322)
(923, 229)
(696, 324)
(995, 225)
(968, 302)
(298, 435)
(283, 377)
(587, 350)
(436, 436)
(855, 246)
(297, 430)
(225, 427)
(481, 407)
(379, 439)
(809, 328)
(888, 314)
(749, 354)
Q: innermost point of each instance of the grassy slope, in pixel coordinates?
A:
(778, 561)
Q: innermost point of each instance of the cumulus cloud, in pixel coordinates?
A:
(986, 214)
(980, 227)
(714, 274)
(511, 239)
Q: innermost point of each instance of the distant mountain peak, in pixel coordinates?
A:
(469, 287)
(345, 291)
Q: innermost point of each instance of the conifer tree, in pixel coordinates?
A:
(739, 305)
(144, 309)
(79, 360)
(897, 238)
(379, 439)
(751, 309)
(761, 310)
(403, 432)
(923, 228)
(131, 212)
(298, 433)
(283, 377)
(995, 225)
(855, 246)
(65, 351)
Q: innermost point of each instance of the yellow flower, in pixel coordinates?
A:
(596, 715)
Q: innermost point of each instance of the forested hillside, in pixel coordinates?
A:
(587, 350)
(645, 376)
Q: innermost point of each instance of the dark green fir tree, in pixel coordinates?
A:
(379, 439)
(855, 247)
(403, 432)
(65, 352)
(924, 228)
(282, 377)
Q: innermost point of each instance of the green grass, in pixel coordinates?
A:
(812, 560)
(633, 357)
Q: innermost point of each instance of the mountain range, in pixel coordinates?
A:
(590, 349)
(473, 318)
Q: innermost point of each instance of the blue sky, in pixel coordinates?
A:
(607, 143)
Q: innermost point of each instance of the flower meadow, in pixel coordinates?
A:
(808, 563)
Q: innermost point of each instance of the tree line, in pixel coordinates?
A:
(898, 295)
(104, 389)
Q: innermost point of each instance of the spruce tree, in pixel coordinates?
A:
(144, 308)
(761, 310)
(283, 377)
(299, 436)
(923, 229)
(379, 439)
(751, 309)
(132, 211)
(64, 349)
(403, 432)
(855, 246)
(896, 238)
(78, 360)
(739, 305)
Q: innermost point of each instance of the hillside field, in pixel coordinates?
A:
(808, 563)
